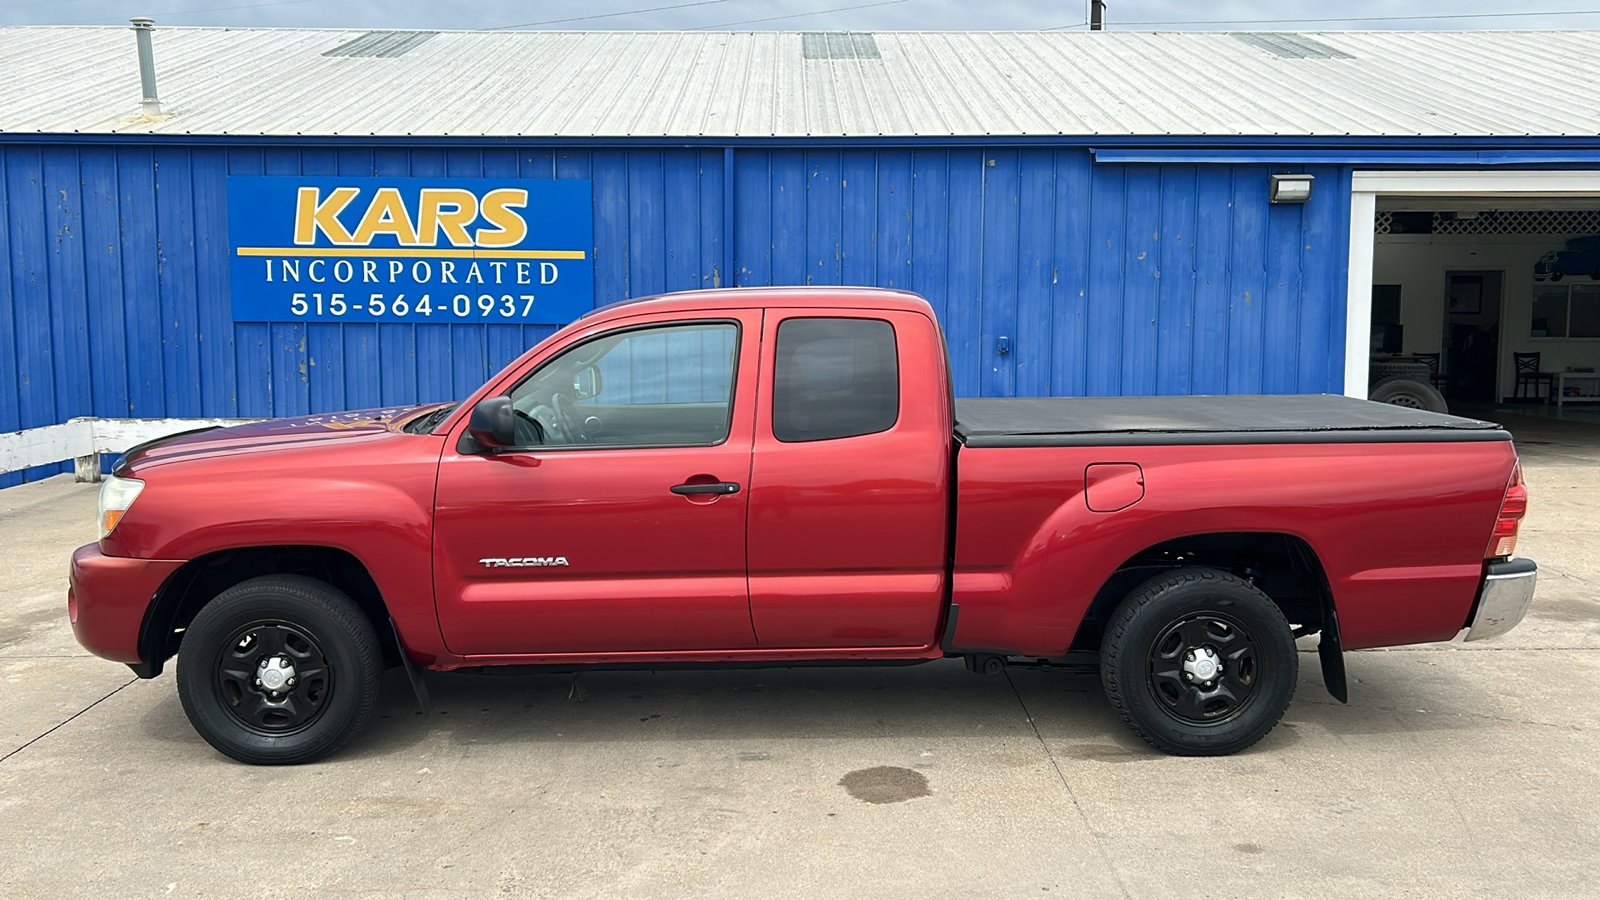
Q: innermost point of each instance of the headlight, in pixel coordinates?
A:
(116, 495)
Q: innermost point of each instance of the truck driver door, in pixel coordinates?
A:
(618, 522)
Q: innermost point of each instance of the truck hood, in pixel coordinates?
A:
(272, 434)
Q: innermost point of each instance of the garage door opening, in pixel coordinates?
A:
(1482, 301)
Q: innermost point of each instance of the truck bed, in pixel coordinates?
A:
(1275, 419)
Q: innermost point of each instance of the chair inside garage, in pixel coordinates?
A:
(1439, 380)
(1530, 378)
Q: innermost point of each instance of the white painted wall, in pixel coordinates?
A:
(1418, 263)
(83, 440)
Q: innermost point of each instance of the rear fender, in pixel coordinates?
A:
(1399, 529)
(1066, 561)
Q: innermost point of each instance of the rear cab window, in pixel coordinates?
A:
(835, 378)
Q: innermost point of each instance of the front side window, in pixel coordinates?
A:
(835, 378)
(670, 386)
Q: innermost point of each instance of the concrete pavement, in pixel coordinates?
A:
(1456, 771)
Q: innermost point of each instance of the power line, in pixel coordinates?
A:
(187, 12)
(45, 3)
(1559, 12)
(800, 15)
(190, 12)
(610, 15)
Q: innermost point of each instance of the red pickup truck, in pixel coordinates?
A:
(781, 476)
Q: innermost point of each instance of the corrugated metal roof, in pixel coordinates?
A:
(385, 44)
(788, 84)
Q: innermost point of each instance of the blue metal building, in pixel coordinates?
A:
(1088, 213)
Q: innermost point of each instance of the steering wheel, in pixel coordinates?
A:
(567, 418)
(528, 430)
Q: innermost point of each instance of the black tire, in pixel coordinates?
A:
(1556, 276)
(1229, 622)
(326, 658)
(1403, 390)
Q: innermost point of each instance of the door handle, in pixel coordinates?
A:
(718, 487)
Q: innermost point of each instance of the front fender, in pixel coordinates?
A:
(372, 499)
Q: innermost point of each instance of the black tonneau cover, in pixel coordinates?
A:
(1276, 419)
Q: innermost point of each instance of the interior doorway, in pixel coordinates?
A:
(1471, 339)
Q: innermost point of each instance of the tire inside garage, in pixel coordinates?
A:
(1402, 390)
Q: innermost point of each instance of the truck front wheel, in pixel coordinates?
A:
(1199, 662)
(279, 670)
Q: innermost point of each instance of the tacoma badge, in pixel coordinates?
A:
(496, 562)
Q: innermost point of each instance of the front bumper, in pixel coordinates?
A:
(1503, 598)
(107, 598)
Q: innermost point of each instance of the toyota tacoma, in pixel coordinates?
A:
(778, 476)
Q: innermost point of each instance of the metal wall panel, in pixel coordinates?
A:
(1096, 279)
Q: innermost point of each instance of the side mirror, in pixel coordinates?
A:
(586, 383)
(492, 423)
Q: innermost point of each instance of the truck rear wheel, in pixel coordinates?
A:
(279, 670)
(1199, 662)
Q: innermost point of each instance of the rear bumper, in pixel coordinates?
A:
(1503, 598)
(107, 598)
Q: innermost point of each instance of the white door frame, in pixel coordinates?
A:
(1366, 187)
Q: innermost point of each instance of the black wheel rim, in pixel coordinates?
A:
(1181, 676)
(273, 678)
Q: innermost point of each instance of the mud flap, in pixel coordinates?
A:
(412, 672)
(1330, 649)
(1331, 652)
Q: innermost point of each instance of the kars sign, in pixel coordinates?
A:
(483, 250)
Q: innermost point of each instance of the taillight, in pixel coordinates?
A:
(1512, 509)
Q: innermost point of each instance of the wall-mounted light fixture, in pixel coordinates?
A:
(1291, 188)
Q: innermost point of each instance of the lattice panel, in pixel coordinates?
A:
(1507, 221)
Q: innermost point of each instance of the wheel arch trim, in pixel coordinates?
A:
(1300, 551)
(187, 590)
